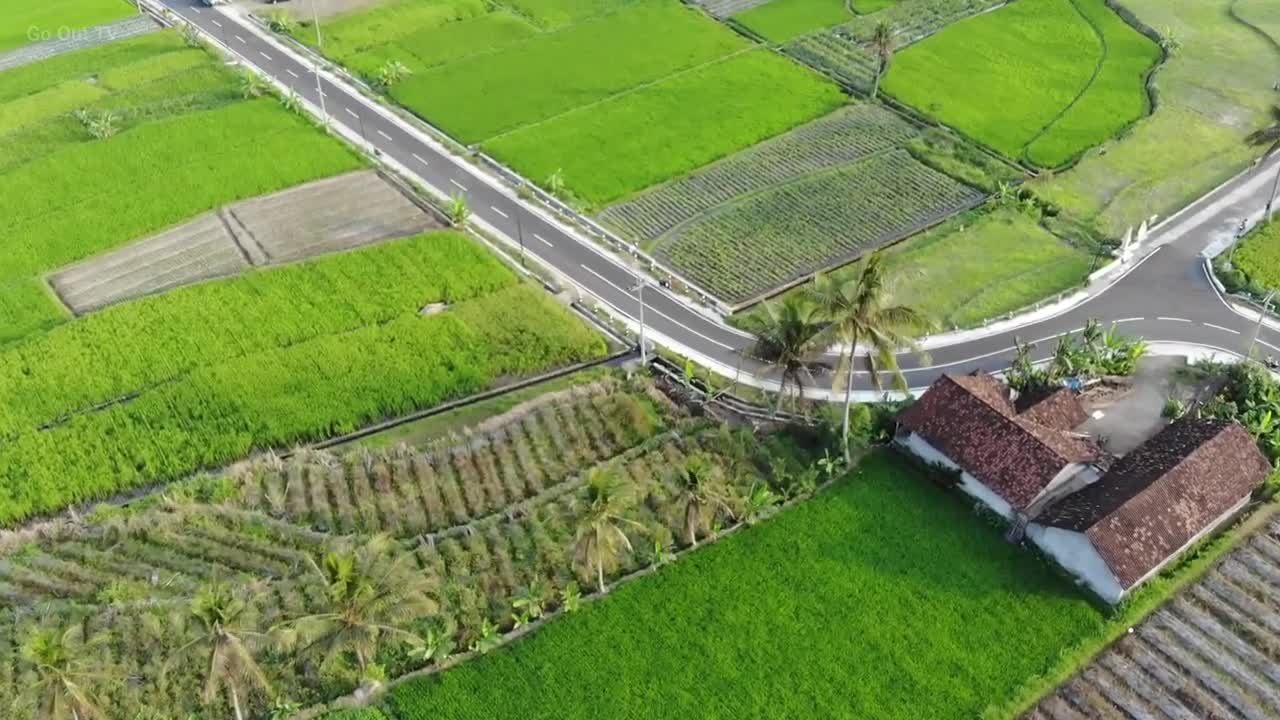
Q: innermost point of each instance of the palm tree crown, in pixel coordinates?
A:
(883, 44)
(225, 636)
(702, 493)
(785, 340)
(600, 540)
(66, 663)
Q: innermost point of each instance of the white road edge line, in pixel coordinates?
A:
(651, 309)
(544, 240)
(460, 185)
(499, 212)
(384, 135)
(418, 158)
(1223, 329)
(1173, 319)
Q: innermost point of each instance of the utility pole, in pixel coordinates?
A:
(644, 354)
(520, 234)
(1266, 303)
(315, 20)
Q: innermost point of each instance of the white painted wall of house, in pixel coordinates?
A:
(1075, 552)
(921, 448)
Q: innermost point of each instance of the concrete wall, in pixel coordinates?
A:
(1076, 553)
(921, 448)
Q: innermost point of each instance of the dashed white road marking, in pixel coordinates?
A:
(384, 135)
(291, 72)
(650, 308)
(418, 157)
(1129, 320)
(215, 22)
(268, 57)
(499, 212)
(460, 185)
(543, 240)
(352, 113)
(1223, 329)
(1173, 319)
(239, 38)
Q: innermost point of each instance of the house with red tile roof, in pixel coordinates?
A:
(1015, 461)
(1152, 504)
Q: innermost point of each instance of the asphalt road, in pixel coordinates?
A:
(1165, 298)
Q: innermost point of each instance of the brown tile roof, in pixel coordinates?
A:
(1158, 497)
(1060, 409)
(970, 419)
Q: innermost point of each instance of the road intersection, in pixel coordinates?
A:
(1165, 296)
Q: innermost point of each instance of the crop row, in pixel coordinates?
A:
(411, 494)
(839, 138)
(794, 230)
(1212, 652)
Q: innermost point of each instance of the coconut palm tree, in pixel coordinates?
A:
(860, 310)
(883, 44)
(225, 635)
(784, 341)
(1269, 136)
(702, 493)
(370, 595)
(66, 662)
(600, 540)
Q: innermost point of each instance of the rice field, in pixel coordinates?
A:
(565, 85)
(1039, 80)
(782, 20)
(147, 114)
(30, 21)
(903, 619)
(153, 390)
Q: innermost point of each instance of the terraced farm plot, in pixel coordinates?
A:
(29, 21)
(1210, 653)
(581, 87)
(165, 116)
(842, 51)
(478, 520)
(320, 217)
(813, 198)
(1038, 80)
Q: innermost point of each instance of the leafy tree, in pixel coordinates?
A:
(703, 493)
(226, 636)
(860, 311)
(1269, 136)
(370, 595)
(785, 337)
(66, 663)
(600, 541)
(883, 45)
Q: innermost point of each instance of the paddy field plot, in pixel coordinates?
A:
(559, 85)
(104, 146)
(831, 591)
(1039, 80)
(811, 199)
(30, 21)
(319, 217)
(151, 390)
(1263, 15)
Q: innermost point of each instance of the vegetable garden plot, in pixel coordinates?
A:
(516, 494)
(1210, 652)
(771, 238)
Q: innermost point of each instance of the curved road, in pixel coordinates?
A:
(1165, 297)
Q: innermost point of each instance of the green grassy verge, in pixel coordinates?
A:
(38, 20)
(883, 597)
(620, 146)
(866, 7)
(782, 20)
(1213, 91)
(153, 390)
(1044, 79)
(1258, 258)
(180, 122)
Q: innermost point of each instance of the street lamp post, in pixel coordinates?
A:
(1257, 330)
(644, 354)
(315, 20)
